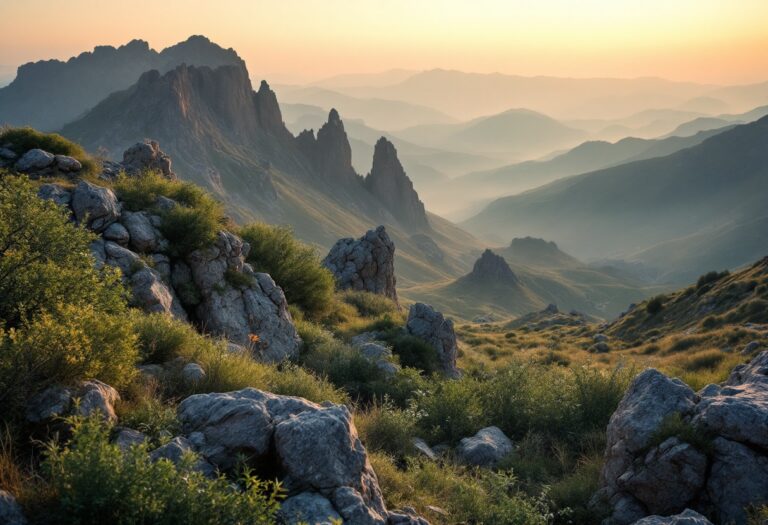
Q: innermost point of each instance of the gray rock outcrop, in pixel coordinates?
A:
(433, 328)
(388, 182)
(10, 510)
(315, 449)
(485, 449)
(641, 478)
(687, 517)
(238, 311)
(87, 398)
(95, 206)
(147, 155)
(366, 264)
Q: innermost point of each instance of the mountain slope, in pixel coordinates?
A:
(48, 94)
(512, 134)
(526, 277)
(631, 207)
(589, 156)
(232, 140)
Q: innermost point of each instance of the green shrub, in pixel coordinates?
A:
(412, 351)
(295, 266)
(74, 343)
(450, 410)
(655, 305)
(384, 427)
(151, 415)
(468, 496)
(162, 338)
(710, 277)
(24, 139)
(675, 426)
(572, 493)
(191, 224)
(190, 228)
(370, 304)
(44, 259)
(94, 482)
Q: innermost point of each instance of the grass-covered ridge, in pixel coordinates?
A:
(21, 140)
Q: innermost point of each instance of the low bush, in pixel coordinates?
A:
(295, 266)
(710, 277)
(24, 139)
(369, 304)
(74, 343)
(386, 428)
(191, 224)
(450, 410)
(44, 259)
(675, 426)
(655, 305)
(94, 482)
(467, 496)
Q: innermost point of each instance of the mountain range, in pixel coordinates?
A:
(232, 140)
(50, 93)
(697, 197)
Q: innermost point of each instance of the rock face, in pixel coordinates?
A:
(10, 511)
(95, 206)
(330, 153)
(314, 448)
(34, 160)
(486, 448)
(640, 478)
(242, 312)
(366, 264)
(687, 517)
(492, 268)
(434, 329)
(56, 401)
(389, 183)
(147, 155)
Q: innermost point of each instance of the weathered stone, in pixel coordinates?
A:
(366, 264)
(10, 510)
(192, 373)
(34, 160)
(175, 451)
(7, 154)
(116, 232)
(144, 237)
(431, 327)
(55, 193)
(147, 155)
(354, 509)
(95, 206)
(92, 397)
(308, 507)
(123, 258)
(255, 315)
(67, 164)
(125, 438)
(751, 347)
(423, 448)
(738, 479)
(669, 478)
(151, 294)
(687, 517)
(486, 448)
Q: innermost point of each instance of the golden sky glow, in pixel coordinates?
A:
(717, 41)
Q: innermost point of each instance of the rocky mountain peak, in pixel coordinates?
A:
(390, 184)
(330, 153)
(268, 111)
(492, 268)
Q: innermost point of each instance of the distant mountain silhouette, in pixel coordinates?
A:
(50, 93)
(629, 208)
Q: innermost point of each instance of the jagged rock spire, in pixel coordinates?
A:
(390, 184)
(491, 267)
(330, 153)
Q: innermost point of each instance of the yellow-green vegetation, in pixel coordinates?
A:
(21, 140)
(191, 224)
(93, 482)
(294, 266)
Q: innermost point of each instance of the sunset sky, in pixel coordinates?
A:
(716, 41)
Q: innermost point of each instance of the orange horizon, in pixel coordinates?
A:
(292, 41)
